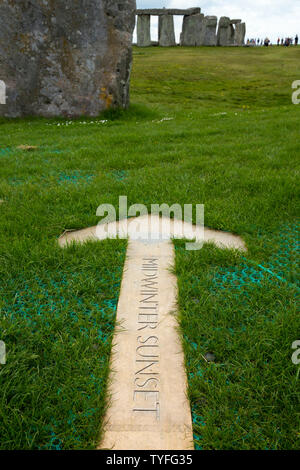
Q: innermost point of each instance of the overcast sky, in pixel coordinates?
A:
(270, 18)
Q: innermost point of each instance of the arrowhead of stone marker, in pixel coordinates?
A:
(156, 228)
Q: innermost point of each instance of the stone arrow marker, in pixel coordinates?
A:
(149, 408)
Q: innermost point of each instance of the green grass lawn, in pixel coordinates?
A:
(207, 125)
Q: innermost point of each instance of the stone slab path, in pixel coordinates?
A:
(149, 407)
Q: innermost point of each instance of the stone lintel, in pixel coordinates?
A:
(168, 11)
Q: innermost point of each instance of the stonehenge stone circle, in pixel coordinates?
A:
(65, 58)
(197, 30)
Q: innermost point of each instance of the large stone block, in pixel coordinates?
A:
(224, 37)
(144, 30)
(240, 33)
(193, 30)
(166, 32)
(210, 35)
(65, 57)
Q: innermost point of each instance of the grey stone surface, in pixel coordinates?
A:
(240, 34)
(65, 57)
(193, 30)
(168, 11)
(166, 32)
(210, 35)
(224, 37)
(143, 30)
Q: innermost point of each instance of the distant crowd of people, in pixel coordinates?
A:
(280, 42)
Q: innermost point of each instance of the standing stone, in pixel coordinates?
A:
(143, 31)
(193, 30)
(210, 35)
(224, 32)
(166, 32)
(65, 58)
(240, 34)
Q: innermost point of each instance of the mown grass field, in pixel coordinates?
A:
(207, 125)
